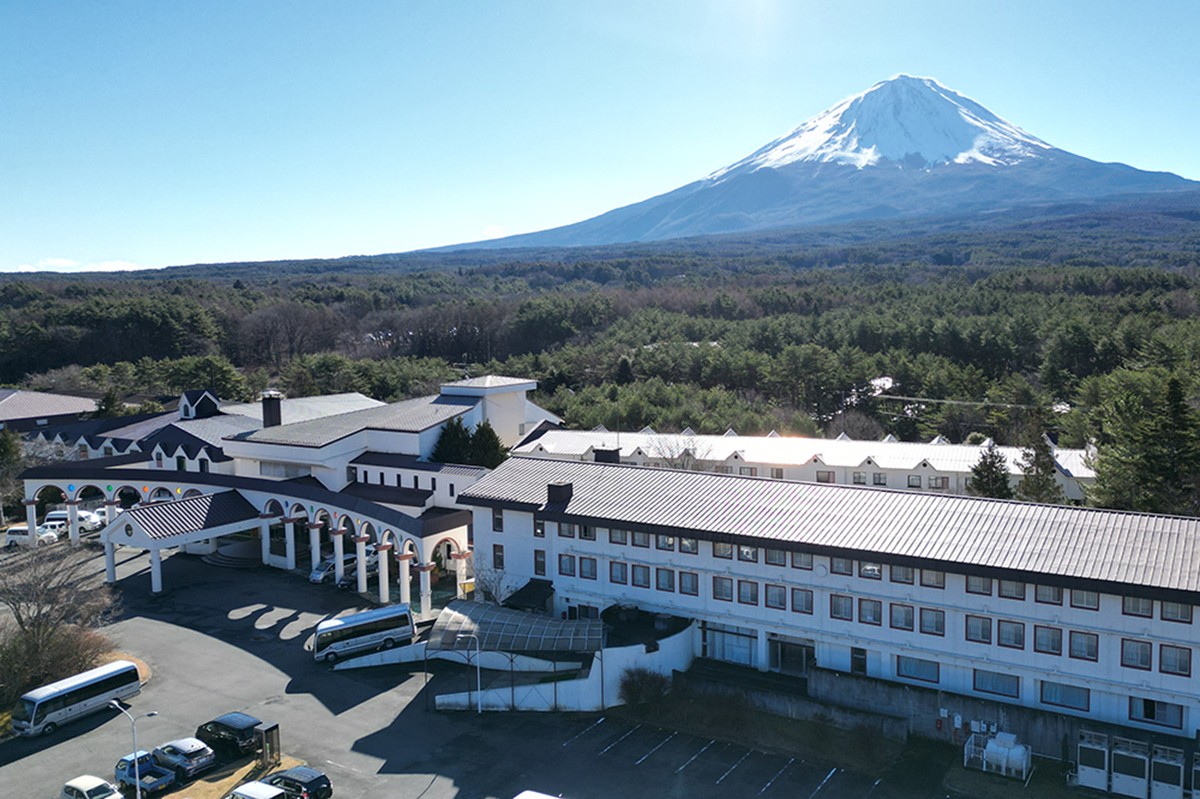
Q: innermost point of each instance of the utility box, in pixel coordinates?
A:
(269, 753)
(1092, 761)
(1166, 773)
(1130, 768)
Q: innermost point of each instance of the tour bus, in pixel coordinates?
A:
(372, 629)
(47, 708)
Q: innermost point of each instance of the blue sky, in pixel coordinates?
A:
(159, 133)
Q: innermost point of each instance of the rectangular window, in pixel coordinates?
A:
(777, 473)
(748, 471)
(618, 536)
(1150, 711)
(914, 481)
(566, 530)
(1088, 600)
(1048, 594)
(1084, 646)
(802, 560)
(1011, 589)
(689, 546)
(939, 483)
(587, 532)
(870, 611)
(618, 572)
(858, 660)
(1047, 640)
(902, 616)
(747, 592)
(775, 557)
(539, 562)
(587, 568)
(1068, 696)
(1010, 634)
(689, 583)
(497, 520)
(841, 565)
(901, 574)
(841, 607)
(979, 585)
(180, 461)
(723, 550)
(452, 489)
(641, 539)
(933, 622)
(979, 629)
(993, 682)
(802, 600)
(664, 579)
(879, 478)
(859, 478)
(203, 465)
(824, 476)
(1136, 606)
(664, 542)
(723, 589)
(539, 528)
(916, 669)
(747, 554)
(1175, 611)
(498, 557)
(566, 565)
(1136, 654)
(641, 576)
(933, 579)
(1175, 660)
(870, 571)
(775, 596)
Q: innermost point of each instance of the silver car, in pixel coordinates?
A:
(187, 757)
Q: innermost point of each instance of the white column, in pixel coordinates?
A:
(383, 552)
(155, 571)
(460, 572)
(264, 534)
(426, 590)
(405, 576)
(110, 510)
(73, 520)
(31, 520)
(763, 653)
(339, 554)
(289, 534)
(360, 560)
(110, 562)
(314, 544)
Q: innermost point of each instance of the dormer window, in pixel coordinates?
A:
(158, 460)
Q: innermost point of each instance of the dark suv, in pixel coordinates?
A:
(302, 782)
(232, 733)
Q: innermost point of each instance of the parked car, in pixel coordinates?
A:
(350, 576)
(18, 534)
(302, 782)
(138, 772)
(88, 521)
(187, 757)
(89, 787)
(256, 790)
(232, 733)
(325, 569)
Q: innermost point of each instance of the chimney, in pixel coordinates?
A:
(272, 413)
(606, 455)
(559, 493)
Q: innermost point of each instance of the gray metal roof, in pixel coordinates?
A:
(409, 416)
(302, 409)
(1115, 547)
(165, 520)
(491, 381)
(505, 630)
(17, 404)
(396, 460)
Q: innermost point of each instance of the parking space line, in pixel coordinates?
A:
(873, 787)
(655, 749)
(791, 760)
(828, 777)
(693, 757)
(622, 738)
(585, 732)
(735, 765)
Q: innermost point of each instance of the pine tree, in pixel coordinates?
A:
(989, 477)
(1038, 482)
(454, 444)
(486, 448)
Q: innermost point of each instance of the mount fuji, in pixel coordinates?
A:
(907, 146)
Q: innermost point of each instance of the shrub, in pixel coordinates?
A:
(642, 686)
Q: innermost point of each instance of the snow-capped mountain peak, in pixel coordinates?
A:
(906, 121)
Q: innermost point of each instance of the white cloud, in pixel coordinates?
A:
(71, 265)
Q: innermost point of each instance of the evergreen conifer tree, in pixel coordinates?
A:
(1038, 481)
(454, 444)
(486, 449)
(989, 477)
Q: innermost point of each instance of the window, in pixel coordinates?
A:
(566, 530)
(641, 538)
(871, 571)
(914, 481)
(618, 572)
(902, 616)
(539, 528)
(722, 550)
(539, 562)
(1175, 660)
(203, 464)
(664, 579)
(1084, 646)
(1174, 611)
(452, 489)
(879, 479)
(1136, 654)
(979, 629)
(689, 583)
(416, 480)
(689, 546)
(497, 520)
(858, 660)
(901, 574)
(933, 579)
(775, 557)
(748, 554)
(775, 596)
(933, 622)
(498, 557)
(802, 560)
(587, 532)
(1047, 640)
(841, 607)
(1150, 711)
(747, 592)
(841, 565)
(748, 471)
(108, 451)
(870, 611)
(1010, 634)
(824, 476)
(1011, 589)
(618, 536)
(1088, 600)
(180, 461)
(1048, 595)
(1069, 696)
(858, 478)
(916, 669)
(993, 682)
(802, 600)
(641, 576)
(723, 589)
(939, 483)
(566, 565)
(158, 460)
(979, 585)
(664, 542)
(777, 473)
(587, 568)
(1136, 606)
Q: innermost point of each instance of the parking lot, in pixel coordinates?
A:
(226, 640)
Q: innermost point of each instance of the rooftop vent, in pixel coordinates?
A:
(559, 493)
(272, 408)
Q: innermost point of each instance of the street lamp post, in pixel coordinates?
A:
(137, 773)
(478, 674)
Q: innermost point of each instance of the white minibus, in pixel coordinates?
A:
(47, 708)
(381, 628)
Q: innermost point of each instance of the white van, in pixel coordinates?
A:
(88, 521)
(18, 535)
(257, 790)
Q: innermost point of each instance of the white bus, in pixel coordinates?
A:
(381, 628)
(47, 708)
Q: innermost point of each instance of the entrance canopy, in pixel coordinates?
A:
(505, 630)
